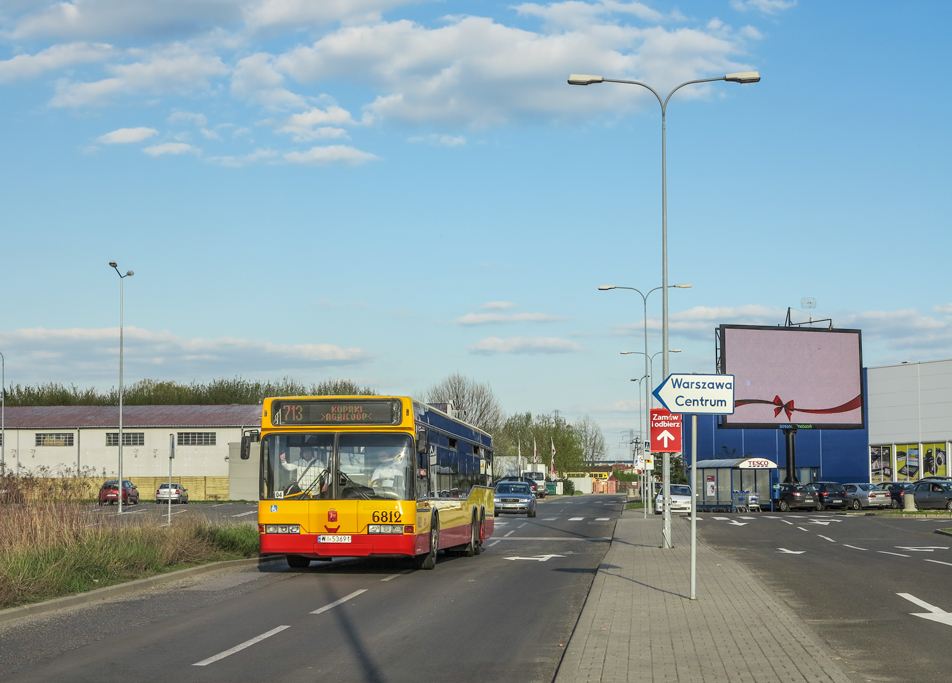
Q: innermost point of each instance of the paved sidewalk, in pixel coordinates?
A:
(639, 624)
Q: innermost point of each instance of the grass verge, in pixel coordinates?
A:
(638, 505)
(50, 549)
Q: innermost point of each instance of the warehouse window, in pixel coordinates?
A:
(128, 438)
(196, 439)
(54, 439)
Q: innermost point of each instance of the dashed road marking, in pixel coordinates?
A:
(603, 519)
(244, 514)
(826, 538)
(854, 547)
(339, 602)
(393, 576)
(576, 519)
(886, 552)
(510, 533)
(242, 646)
(947, 564)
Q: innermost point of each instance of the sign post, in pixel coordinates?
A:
(665, 431)
(696, 395)
(171, 458)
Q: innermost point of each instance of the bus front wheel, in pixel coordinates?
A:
(428, 560)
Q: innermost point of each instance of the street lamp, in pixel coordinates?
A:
(656, 353)
(122, 277)
(585, 79)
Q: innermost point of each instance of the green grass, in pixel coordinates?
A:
(637, 505)
(73, 556)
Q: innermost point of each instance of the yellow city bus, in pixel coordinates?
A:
(345, 476)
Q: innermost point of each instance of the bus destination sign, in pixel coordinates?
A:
(324, 412)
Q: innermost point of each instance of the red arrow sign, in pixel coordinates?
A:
(665, 431)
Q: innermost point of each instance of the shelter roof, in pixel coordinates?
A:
(736, 463)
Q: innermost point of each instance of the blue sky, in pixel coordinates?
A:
(394, 191)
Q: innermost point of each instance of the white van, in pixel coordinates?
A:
(539, 479)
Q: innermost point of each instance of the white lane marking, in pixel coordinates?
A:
(934, 613)
(746, 518)
(826, 538)
(511, 532)
(734, 522)
(339, 602)
(522, 525)
(854, 547)
(817, 522)
(244, 514)
(239, 648)
(576, 519)
(786, 522)
(501, 523)
(886, 552)
(393, 576)
(922, 548)
(218, 505)
(801, 528)
(540, 558)
(550, 519)
(947, 564)
(721, 519)
(603, 519)
(791, 552)
(554, 538)
(492, 544)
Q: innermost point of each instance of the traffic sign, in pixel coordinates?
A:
(697, 394)
(665, 431)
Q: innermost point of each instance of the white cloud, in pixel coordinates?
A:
(699, 322)
(50, 59)
(170, 148)
(296, 13)
(330, 155)
(437, 139)
(763, 6)
(243, 160)
(127, 135)
(943, 308)
(198, 120)
(317, 124)
(256, 79)
(477, 72)
(174, 70)
(497, 305)
(578, 15)
(486, 318)
(48, 354)
(523, 345)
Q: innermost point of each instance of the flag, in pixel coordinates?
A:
(535, 452)
(552, 463)
(520, 458)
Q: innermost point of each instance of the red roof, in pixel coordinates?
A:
(88, 417)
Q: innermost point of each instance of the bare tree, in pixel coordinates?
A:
(591, 438)
(475, 403)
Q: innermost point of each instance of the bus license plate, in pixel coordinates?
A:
(333, 539)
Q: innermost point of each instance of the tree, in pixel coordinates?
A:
(544, 430)
(590, 438)
(473, 402)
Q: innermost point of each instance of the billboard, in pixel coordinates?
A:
(793, 377)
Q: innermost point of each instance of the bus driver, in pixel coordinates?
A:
(307, 470)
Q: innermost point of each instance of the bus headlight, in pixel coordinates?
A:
(282, 528)
(385, 529)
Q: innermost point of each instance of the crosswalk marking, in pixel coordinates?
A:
(576, 519)
(603, 519)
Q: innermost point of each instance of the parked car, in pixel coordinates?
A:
(932, 495)
(109, 493)
(525, 480)
(896, 490)
(514, 497)
(795, 497)
(864, 495)
(828, 495)
(539, 479)
(176, 493)
(680, 499)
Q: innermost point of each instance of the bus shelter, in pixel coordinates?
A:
(736, 484)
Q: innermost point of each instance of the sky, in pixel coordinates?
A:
(392, 191)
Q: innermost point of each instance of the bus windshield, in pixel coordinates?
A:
(337, 466)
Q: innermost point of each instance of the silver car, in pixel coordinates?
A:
(514, 497)
(862, 495)
(177, 494)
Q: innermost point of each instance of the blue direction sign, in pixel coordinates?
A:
(697, 394)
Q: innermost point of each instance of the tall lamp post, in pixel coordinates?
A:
(587, 79)
(122, 277)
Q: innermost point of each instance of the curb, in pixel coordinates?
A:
(943, 532)
(121, 589)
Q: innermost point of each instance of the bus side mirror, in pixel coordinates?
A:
(422, 442)
(246, 440)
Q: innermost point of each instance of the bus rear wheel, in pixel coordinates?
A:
(475, 545)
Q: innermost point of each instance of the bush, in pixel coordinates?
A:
(568, 487)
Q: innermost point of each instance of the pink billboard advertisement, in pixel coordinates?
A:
(790, 376)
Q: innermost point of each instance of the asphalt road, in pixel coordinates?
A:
(219, 512)
(505, 614)
(844, 573)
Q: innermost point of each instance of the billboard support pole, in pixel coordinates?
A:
(694, 506)
(790, 434)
